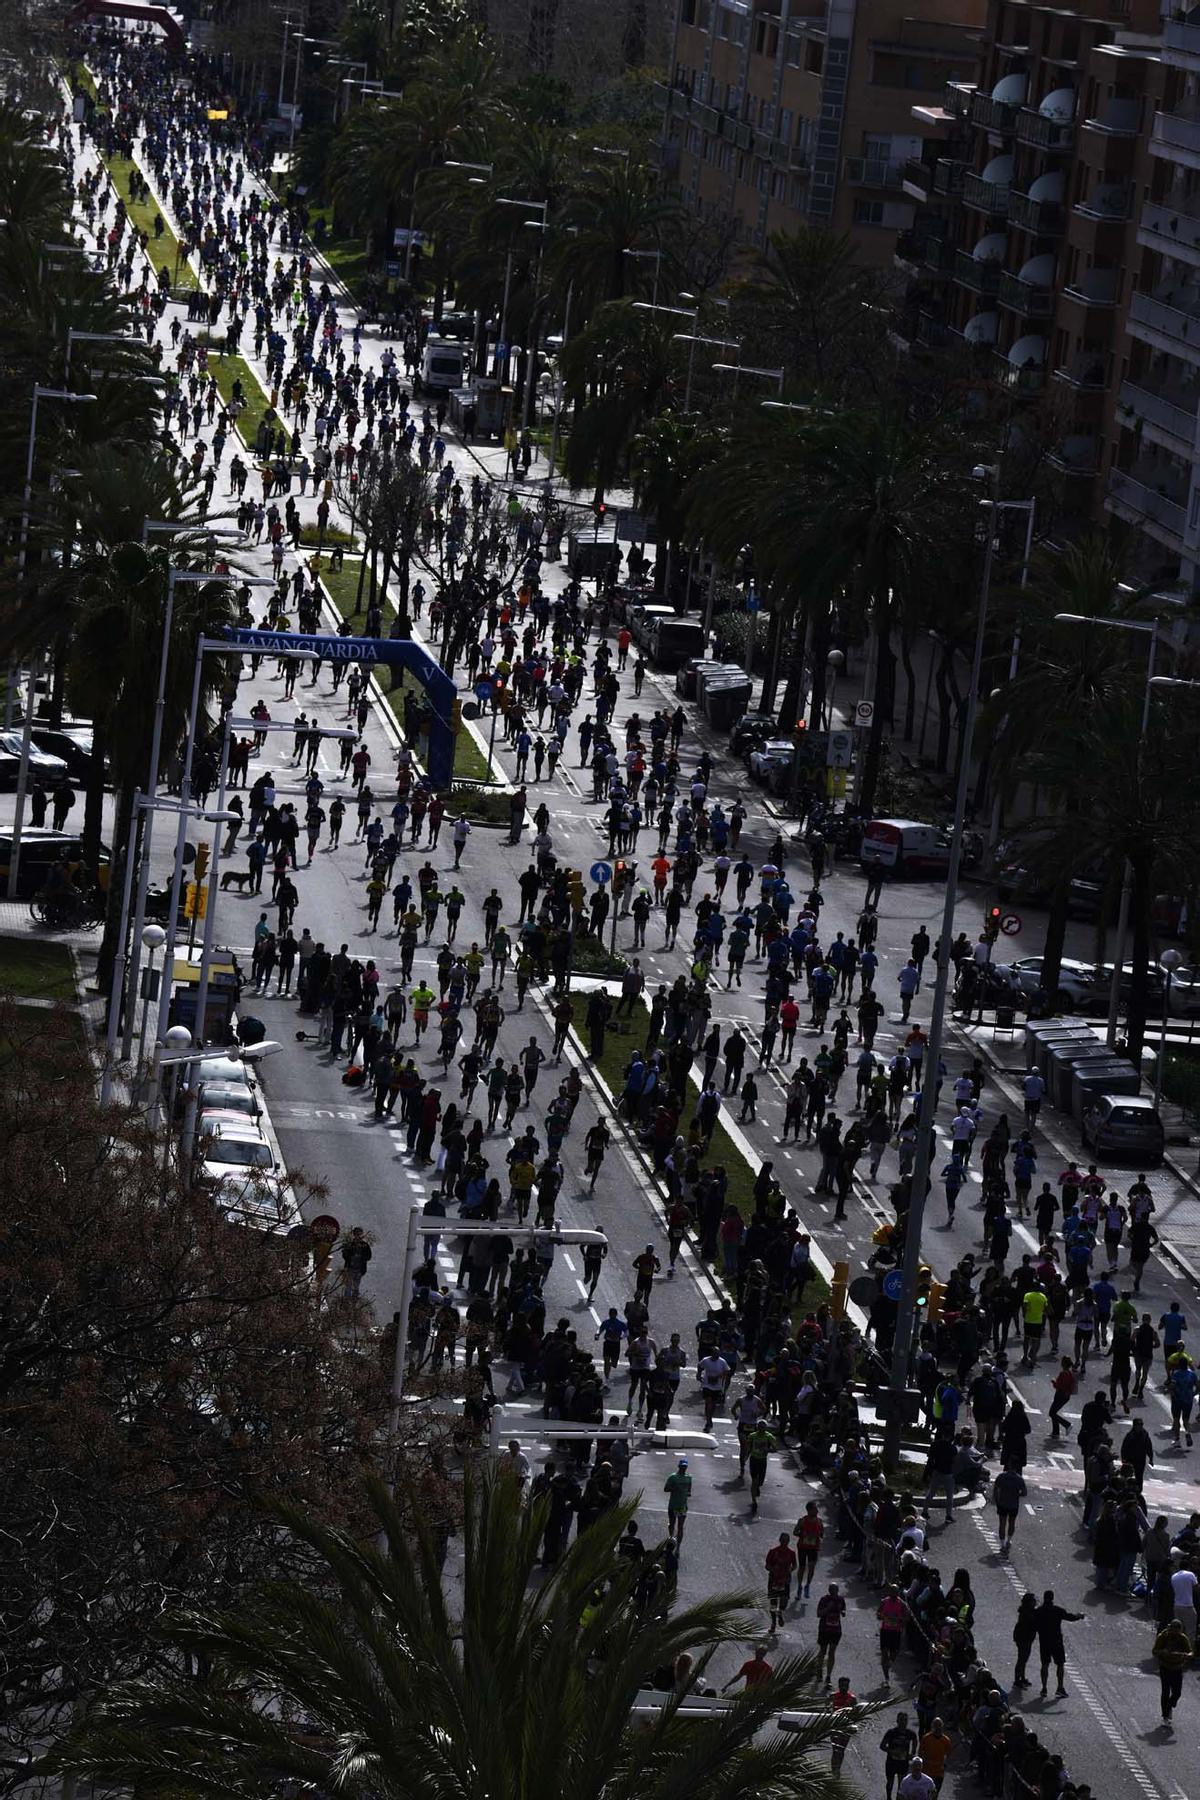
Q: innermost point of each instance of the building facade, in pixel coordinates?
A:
(778, 112)
(1057, 238)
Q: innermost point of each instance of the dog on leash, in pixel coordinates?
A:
(236, 878)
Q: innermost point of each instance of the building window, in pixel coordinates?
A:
(687, 15)
(778, 185)
(793, 50)
(767, 119)
(785, 124)
(814, 57)
(868, 212)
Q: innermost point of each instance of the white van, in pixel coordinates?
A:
(443, 365)
(908, 847)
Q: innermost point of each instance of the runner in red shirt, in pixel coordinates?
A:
(809, 1532)
(780, 1565)
(754, 1671)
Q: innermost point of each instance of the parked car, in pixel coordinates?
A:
(772, 760)
(1124, 1125)
(231, 1142)
(1015, 883)
(750, 730)
(41, 763)
(40, 847)
(226, 1097)
(72, 743)
(1077, 987)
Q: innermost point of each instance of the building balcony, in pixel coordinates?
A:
(1176, 136)
(978, 277)
(990, 197)
(1181, 44)
(1025, 298)
(1159, 420)
(1096, 288)
(949, 177)
(1044, 218)
(993, 115)
(938, 256)
(917, 178)
(873, 172)
(1085, 375)
(1077, 456)
(1116, 118)
(1107, 204)
(932, 333)
(1029, 379)
(1171, 324)
(957, 98)
(1043, 132)
(1166, 227)
(1154, 511)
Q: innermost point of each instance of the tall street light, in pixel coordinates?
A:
(654, 256)
(1148, 628)
(691, 339)
(919, 1180)
(40, 393)
(174, 576)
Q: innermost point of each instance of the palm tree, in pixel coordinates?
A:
(618, 207)
(664, 460)
(617, 375)
(1066, 675)
(1128, 797)
(810, 304)
(365, 1681)
(860, 506)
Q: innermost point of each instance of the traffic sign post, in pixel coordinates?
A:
(600, 872)
(864, 714)
(893, 1282)
(1010, 924)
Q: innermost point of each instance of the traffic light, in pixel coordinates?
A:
(203, 852)
(991, 923)
(599, 508)
(933, 1310)
(575, 890)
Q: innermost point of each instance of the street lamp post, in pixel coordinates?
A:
(35, 664)
(1030, 509)
(232, 724)
(654, 256)
(1168, 962)
(1148, 628)
(418, 1229)
(691, 339)
(919, 1180)
(736, 369)
(153, 937)
(141, 802)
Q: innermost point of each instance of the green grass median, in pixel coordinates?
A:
(623, 1037)
(225, 371)
(470, 763)
(142, 214)
(33, 970)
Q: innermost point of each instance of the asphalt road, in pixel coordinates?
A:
(1106, 1729)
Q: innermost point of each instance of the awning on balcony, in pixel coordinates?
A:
(990, 248)
(1011, 89)
(999, 170)
(1028, 352)
(1038, 271)
(981, 329)
(1060, 105)
(1048, 187)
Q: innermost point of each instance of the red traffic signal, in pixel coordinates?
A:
(599, 508)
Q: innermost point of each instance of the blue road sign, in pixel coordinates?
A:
(483, 692)
(893, 1281)
(601, 872)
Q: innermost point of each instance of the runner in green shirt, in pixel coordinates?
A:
(678, 1488)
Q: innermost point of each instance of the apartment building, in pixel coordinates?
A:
(781, 111)
(1153, 482)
